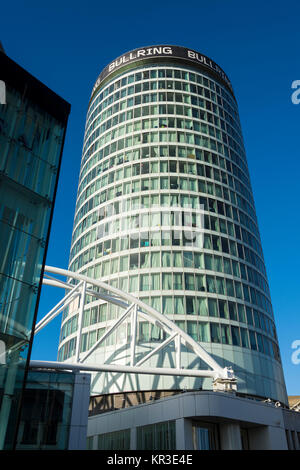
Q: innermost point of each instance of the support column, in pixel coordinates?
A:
(133, 335)
(80, 412)
(178, 351)
(184, 434)
(80, 321)
(133, 439)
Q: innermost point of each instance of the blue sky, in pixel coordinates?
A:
(66, 44)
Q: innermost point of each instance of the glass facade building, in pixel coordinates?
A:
(46, 411)
(32, 129)
(165, 211)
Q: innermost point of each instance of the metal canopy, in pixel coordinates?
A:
(134, 310)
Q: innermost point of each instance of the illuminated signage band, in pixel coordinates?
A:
(162, 51)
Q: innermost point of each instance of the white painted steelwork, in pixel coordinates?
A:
(136, 309)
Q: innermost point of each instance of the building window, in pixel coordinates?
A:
(119, 440)
(245, 439)
(205, 436)
(89, 442)
(160, 436)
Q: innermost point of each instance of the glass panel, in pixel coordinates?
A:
(177, 259)
(189, 281)
(160, 436)
(249, 316)
(225, 334)
(210, 284)
(144, 282)
(236, 340)
(156, 303)
(244, 337)
(166, 259)
(200, 282)
(192, 329)
(144, 260)
(124, 284)
(177, 281)
(212, 307)
(191, 307)
(223, 309)
(114, 440)
(133, 284)
(155, 259)
(204, 332)
(232, 311)
(241, 312)
(229, 287)
(178, 305)
(203, 309)
(220, 285)
(167, 281)
(227, 266)
(199, 260)
(260, 342)
(188, 259)
(208, 262)
(215, 333)
(155, 282)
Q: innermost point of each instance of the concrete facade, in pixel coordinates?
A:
(264, 426)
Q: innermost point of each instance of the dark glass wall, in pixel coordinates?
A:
(31, 142)
(46, 411)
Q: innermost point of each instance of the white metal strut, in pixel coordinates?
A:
(134, 308)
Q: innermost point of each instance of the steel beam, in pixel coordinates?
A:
(116, 368)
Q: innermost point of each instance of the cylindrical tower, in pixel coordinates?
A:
(165, 211)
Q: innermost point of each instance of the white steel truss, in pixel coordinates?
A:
(134, 309)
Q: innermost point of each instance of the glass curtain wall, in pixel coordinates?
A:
(165, 211)
(31, 143)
